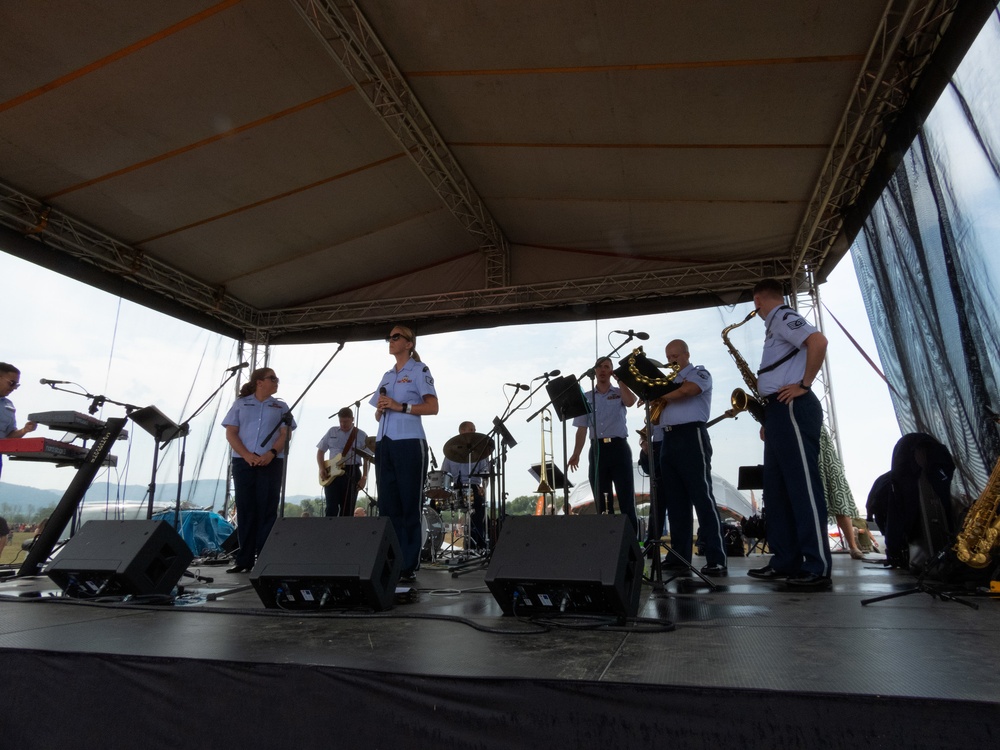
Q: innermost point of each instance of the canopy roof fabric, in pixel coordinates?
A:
(314, 170)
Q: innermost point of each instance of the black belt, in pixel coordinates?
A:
(607, 440)
(684, 426)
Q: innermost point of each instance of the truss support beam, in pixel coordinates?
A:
(725, 280)
(907, 36)
(805, 298)
(351, 41)
(33, 220)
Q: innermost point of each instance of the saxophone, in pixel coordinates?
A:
(978, 537)
(740, 398)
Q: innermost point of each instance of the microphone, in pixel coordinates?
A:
(547, 375)
(634, 334)
(519, 386)
(381, 391)
(434, 461)
(240, 366)
(46, 381)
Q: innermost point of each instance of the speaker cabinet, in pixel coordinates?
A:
(558, 565)
(324, 563)
(117, 558)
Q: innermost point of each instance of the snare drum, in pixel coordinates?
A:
(439, 485)
(431, 534)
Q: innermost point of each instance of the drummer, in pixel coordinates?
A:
(469, 479)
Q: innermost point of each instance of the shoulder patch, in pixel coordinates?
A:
(703, 374)
(797, 323)
(428, 379)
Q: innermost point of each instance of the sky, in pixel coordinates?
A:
(60, 329)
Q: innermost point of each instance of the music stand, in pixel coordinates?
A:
(554, 477)
(163, 429)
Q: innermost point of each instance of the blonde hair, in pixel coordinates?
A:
(412, 338)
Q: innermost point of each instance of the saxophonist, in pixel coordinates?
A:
(793, 491)
(686, 466)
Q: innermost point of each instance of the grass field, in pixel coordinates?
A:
(12, 553)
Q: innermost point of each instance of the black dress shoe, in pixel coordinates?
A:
(767, 573)
(238, 569)
(809, 582)
(715, 570)
(408, 576)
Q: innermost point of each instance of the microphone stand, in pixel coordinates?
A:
(286, 419)
(182, 430)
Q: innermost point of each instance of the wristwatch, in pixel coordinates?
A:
(804, 386)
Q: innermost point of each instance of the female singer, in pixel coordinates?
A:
(257, 468)
(405, 394)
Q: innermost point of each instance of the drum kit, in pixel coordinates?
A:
(444, 496)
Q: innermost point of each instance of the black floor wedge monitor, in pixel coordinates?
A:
(558, 565)
(119, 558)
(328, 563)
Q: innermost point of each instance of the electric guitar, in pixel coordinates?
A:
(335, 467)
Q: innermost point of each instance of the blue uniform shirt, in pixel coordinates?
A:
(255, 419)
(460, 472)
(334, 441)
(786, 331)
(696, 408)
(610, 414)
(408, 386)
(8, 418)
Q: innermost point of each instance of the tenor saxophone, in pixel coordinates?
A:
(978, 538)
(754, 403)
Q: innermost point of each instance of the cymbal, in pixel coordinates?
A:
(468, 447)
(370, 444)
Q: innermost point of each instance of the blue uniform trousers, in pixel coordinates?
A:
(686, 480)
(342, 492)
(793, 493)
(400, 468)
(611, 463)
(258, 490)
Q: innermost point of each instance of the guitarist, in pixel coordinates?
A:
(348, 469)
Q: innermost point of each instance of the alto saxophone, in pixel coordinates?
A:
(977, 539)
(751, 403)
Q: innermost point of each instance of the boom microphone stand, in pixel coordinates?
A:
(287, 420)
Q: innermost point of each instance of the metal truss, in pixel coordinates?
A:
(909, 32)
(352, 42)
(30, 218)
(807, 303)
(719, 278)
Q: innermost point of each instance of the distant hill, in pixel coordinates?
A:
(204, 493)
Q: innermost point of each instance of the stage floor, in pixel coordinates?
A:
(747, 634)
(748, 665)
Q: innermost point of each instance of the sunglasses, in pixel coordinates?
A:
(13, 384)
(396, 337)
(272, 378)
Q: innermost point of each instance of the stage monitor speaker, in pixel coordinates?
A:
(118, 558)
(325, 563)
(558, 565)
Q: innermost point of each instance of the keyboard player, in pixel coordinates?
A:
(10, 380)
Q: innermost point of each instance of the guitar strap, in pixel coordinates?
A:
(349, 445)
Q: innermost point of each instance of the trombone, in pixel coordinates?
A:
(548, 458)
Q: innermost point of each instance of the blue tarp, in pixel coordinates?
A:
(204, 531)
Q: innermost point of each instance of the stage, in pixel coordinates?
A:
(748, 665)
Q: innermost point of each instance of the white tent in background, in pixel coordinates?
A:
(730, 501)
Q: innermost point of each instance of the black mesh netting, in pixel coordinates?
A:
(928, 261)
